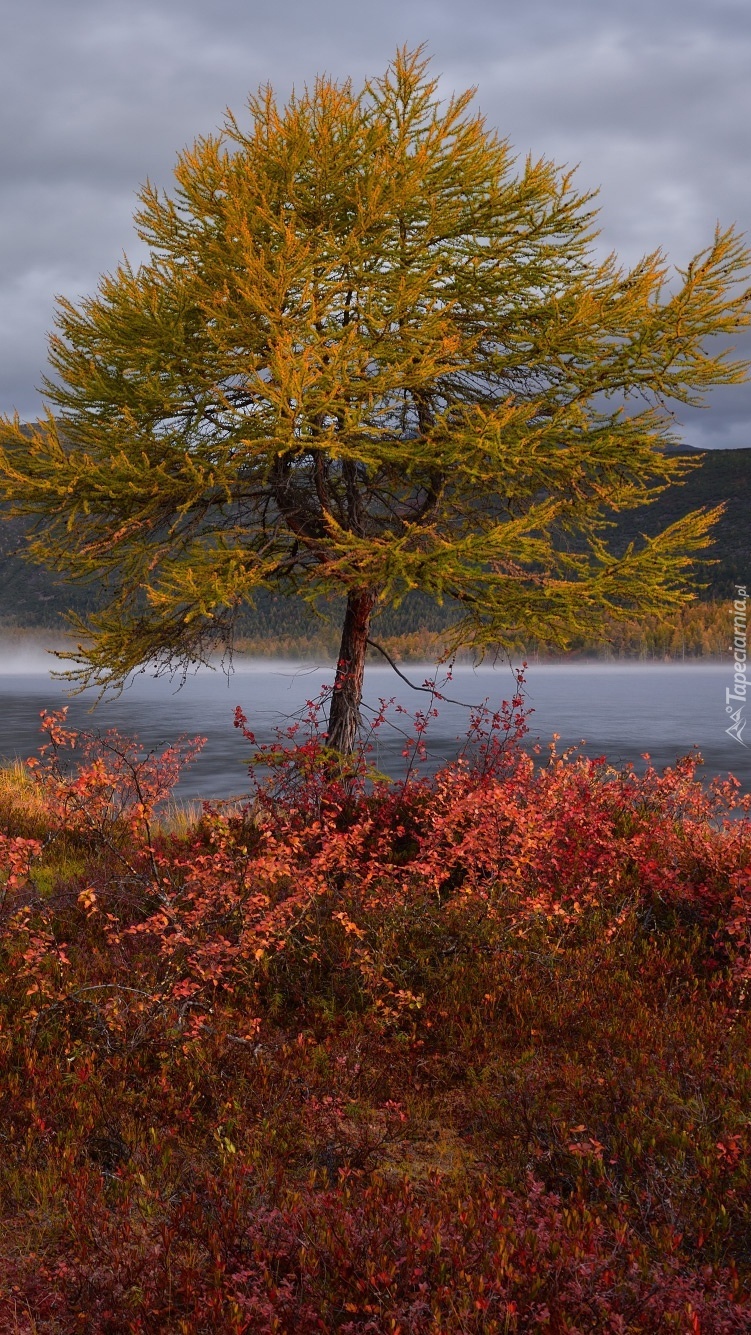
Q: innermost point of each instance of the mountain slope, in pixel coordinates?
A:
(31, 596)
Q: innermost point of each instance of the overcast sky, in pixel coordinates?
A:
(652, 100)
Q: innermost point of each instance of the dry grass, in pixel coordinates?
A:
(23, 807)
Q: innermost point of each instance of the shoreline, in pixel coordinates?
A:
(18, 642)
(35, 660)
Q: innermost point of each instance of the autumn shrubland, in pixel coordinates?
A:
(460, 1053)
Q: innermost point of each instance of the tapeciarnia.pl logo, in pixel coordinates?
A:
(735, 699)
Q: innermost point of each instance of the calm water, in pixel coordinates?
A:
(620, 710)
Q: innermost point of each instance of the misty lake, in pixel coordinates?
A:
(620, 710)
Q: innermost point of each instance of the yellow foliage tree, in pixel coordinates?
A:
(367, 354)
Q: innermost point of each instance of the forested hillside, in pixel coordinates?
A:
(31, 596)
(723, 478)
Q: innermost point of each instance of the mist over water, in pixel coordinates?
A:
(23, 657)
(622, 710)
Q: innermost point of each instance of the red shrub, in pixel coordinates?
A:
(223, 1046)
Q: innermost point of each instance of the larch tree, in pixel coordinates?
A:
(367, 354)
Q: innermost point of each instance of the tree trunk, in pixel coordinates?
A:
(344, 715)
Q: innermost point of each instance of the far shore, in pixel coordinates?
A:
(35, 650)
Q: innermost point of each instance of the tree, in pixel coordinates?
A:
(366, 355)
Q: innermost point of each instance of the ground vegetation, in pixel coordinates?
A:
(460, 1054)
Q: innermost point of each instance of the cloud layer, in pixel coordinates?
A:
(654, 103)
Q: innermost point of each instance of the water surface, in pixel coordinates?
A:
(620, 710)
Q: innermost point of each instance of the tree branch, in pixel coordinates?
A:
(430, 690)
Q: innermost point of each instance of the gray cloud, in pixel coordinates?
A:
(653, 102)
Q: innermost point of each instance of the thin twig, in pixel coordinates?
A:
(431, 690)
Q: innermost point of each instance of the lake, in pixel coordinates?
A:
(621, 710)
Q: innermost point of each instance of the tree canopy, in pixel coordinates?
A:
(368, 352)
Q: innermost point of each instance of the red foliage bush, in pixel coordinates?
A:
(327, 846)
(373, 1257)
(553, 956)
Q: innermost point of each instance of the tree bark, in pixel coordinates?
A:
(344, 715)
